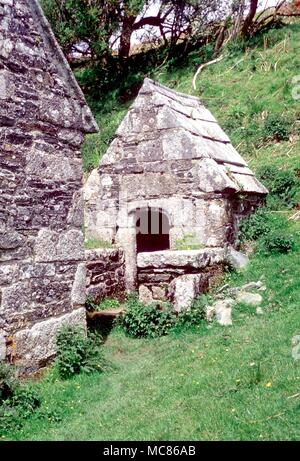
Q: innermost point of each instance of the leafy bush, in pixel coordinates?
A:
(255, 225)
(17, 402)
(276, 242)
(26, 399)
(277, 127)
(206, 52)
(236, 47)
(77, 353)
(21, 406)
(267, 229)
(52, 415)
(140, 321)
(10, 420)
(282, 184)
(8, 382)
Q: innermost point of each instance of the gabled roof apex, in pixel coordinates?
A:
(165, 126)
(62, 65)
(150, 85)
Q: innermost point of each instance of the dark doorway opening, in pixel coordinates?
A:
(152, 230)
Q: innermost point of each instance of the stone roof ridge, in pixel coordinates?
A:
(155, 84)
(63, 66)
(185, 130)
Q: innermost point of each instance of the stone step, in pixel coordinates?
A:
(105, 314)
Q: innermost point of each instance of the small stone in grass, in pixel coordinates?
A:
(252, 299)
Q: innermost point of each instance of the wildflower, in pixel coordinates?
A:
(269, 384)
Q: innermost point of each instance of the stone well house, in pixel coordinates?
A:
(43, 119)
(170, 178)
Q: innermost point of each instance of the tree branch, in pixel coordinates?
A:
(155, 21)
(289, 15)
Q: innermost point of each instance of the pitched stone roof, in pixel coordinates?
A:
(60, 62)
(166, 125)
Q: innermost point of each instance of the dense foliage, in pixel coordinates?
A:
(77, 352)
(17, 401)
(277, 241)
(283, 186)
(269, 230)
(98, 28)
(149, 321)
(158, 319)
(8, 382)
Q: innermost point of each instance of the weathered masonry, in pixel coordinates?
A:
(170, 179)
(43, 119)
(105, 274)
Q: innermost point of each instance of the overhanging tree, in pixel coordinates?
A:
(101, 26)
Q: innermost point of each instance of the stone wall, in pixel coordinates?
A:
(178, 276)
(105, 274)
(43, 117)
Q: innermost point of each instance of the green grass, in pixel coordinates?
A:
(237, 383)
(107, 304)
(204, 383)
(188, 242)
(95, 145)
(96, 243)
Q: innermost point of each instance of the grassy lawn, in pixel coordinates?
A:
(207, 383)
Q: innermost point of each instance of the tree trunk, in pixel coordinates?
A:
(249, 19)
(125, 41)
(220, 38)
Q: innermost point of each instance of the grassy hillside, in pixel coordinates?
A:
(247, 92)
(207, 382)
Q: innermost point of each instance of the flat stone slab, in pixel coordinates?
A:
(98, 253)
(196, 259)
(113, 313)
